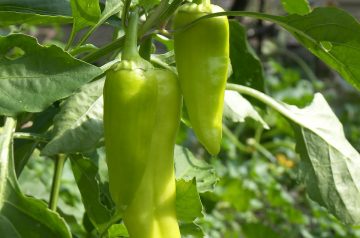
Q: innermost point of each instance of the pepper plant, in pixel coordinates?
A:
(122, 115)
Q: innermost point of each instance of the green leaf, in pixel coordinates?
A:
(331, 34)
(78, 127)
(111, 8)
(85, 13)
(8, 18)
(6, 228)
(35, 181)
(188, 207)
(34, 12)
(27, 217)
(300, 7)
(86, 176)
(187, 167)
(246, 66)
(118, 230)
(191, 230)
(192, 176)
(188, 204)
(330, 166)
(237, 109)
(49, 7)
(40, 76)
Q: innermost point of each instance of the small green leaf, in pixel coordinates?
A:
(188, 207)
(118, 230)
(187, 167)
(86, 176)
(85, 13)
(111, 8)
(78, 127)
(188, 204)
(246, 66)
(237, 109)
(191, 230)
(300, 7)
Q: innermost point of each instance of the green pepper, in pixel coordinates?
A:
(129, 117)
(202, 61)
(141, 119)
(152, 213)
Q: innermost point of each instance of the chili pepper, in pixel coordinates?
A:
(141, 118)
(202, 61)
(130, 94)
(152, 213)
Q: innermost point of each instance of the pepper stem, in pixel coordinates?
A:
(130, 47)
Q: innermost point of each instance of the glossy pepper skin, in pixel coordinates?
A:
(202, 60)
(141, 119)
(130, 94)
(152, 213)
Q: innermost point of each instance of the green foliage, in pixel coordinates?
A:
(286, 167)
(33, 215)
(246, 66)
(329, 159)
(300, 7)
(332, 35)
(34, 12)
(78, 129)
(87, 179)
(85, 13)
(45, 71)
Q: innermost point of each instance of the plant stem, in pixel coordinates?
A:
(115, 45)
(71, 38)
(130, 51)
(162, 12)
(258, 132)
(241, 147)
(115, 218)
(154, 17)
(259, 25)
(86, 36)
(54, 196)
(6, 158)
(265, 99)
(125, 13)
(277, 144)
(162, 64)
(30, 136)
(267, 154)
